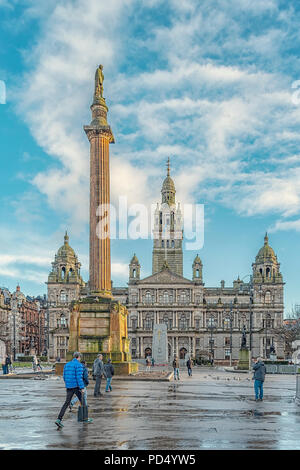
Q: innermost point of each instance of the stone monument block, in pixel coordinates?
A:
(160, 344)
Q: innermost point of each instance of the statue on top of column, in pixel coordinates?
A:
(99, 77)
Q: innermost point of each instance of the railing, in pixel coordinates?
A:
(281, 369)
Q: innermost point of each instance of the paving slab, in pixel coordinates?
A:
(211, 410)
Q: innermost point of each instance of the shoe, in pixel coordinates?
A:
(107, 390)
(89, 420)
(59, 424)
(256, 399)
(70, 408)
(261, 399)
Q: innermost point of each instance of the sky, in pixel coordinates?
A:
(212, 85)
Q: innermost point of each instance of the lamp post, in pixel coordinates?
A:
(231, 322)
(211, 328)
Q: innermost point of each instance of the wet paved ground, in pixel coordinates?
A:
(211, 410)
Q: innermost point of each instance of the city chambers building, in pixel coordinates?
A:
(205, 323)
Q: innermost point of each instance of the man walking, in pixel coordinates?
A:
(189, 366)
(85, 378)
(98, 371)
(176, 367)
(73, 377)
(109, 372)
(259, 377)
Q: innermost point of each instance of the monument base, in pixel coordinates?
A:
(243, 363)
(99, 325)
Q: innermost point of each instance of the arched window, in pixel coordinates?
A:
(197, 273)
(63, 272)
(211, 322)
(173, 244)
(167, 243)
(148, 297)
(62, 321)
(133, 273)
(268, 273)
(268, 297)
(162, 243)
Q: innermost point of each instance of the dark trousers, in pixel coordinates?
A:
(190, 371)
(97, 387)
(70, 393)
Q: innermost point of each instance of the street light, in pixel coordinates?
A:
(211, 328)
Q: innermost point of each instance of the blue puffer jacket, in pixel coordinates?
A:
(73, 374)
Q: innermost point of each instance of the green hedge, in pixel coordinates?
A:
(29, 358)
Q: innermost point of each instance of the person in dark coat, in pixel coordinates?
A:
(189, 367)
(7, 364)
(73, 377)
(176, 367)
(98, 372)
(259, 378)
(108, 372)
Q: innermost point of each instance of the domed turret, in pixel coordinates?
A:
(168, 188)
(66, 267)
(197, 270)
(266, 266)
(134, 270)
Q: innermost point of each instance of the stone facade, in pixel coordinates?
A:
(64, 285)
(202, 322)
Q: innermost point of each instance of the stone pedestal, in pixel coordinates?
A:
(243, 363)
(99, 325)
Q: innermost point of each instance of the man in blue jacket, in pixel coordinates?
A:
(73, 377)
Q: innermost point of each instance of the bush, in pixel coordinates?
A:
(29, 358)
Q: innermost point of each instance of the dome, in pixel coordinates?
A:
(197, 260)
(134, 260)
(168, 184)
(266, 253)
(65, 250)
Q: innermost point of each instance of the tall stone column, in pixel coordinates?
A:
(100, 136)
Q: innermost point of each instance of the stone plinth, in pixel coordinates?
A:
(99, 325)
(243, 363)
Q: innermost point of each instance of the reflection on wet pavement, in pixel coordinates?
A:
(206, 411)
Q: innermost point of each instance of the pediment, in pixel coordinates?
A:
(165, 277)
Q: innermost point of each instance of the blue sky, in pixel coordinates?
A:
(207, 83)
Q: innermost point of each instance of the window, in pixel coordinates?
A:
(148, 322)
(63, 297)
(227, 341)
(166, 320)
(227, 323)
(268, 297)
(183, 322)
(211, 322)
(227, 353)
(148, 297)
(134, 323)
(197, 323)
(166, 297)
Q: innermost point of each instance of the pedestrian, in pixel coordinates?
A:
(34, 363)
(98, 372)
(73, 377)
(189, 366)
(38, 365)
(176, 367)
(259, 378)
(109, 372)
(153, 361)
(7, 363)
(148, 364)
(85, 378)
(10, 365)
